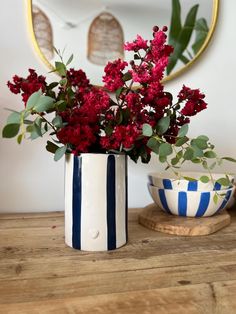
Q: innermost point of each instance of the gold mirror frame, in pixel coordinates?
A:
(215, 14)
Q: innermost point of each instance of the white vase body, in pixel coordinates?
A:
(96, 201)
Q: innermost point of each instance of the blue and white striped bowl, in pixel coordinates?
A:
(190, 203)
(171, 182)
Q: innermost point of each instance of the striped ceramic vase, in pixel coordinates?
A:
(96, 201)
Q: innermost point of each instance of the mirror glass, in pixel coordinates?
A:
(95, 31)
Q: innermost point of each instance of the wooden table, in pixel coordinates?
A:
(154, 273)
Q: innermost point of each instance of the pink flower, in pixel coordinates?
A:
(140, 73)
(113, 75)
(138, 44)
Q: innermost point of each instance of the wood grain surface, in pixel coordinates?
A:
(154, 218)
(154, 273)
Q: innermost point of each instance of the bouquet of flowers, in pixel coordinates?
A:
(139, 120)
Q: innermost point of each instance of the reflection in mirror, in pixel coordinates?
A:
(95, 31)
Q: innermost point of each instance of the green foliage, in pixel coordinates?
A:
(60, 152)
(163, 125)
(147, 129)
(10, 130)
(181, 33)
(183, 130)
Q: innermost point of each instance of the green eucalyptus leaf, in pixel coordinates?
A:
(60, 152)
(33, 99)
(204, 179)
(162, 159)
(57, 122)
(174, 161)
(14, 117)
(163, 125)
(181, 141)
(165, 149)
(44, 103)
(200, 143)
(183, 130)
(210, 154)
(229, 159)
(147, 129)
(189, 178)
(60, 68)
(188, 154)
(19, 138)
(224, 181)
(52, 85)
(10, 130)
(215, 198)
(203, 137)
(70, 59)
(51, 147)
(154, 145)
(63, 81)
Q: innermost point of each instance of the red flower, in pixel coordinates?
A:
(27, 86)
(113, 75)
(138, 44)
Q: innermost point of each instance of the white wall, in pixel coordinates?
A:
(29, 178)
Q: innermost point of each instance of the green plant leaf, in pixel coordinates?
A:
(154, 145)
(201, 32)
(33, 99)
(63, 81)
(57, 122)
(51, 147)
(14, 118)
(183, 130)
(20, 138)
(215, 198)
(60, 152)
(127, 76)
(70, 59)
(44, 103)
(188, 154)
(210, 154)
(204, 179)
(10, 130)
(183, 38)
(163, 125)
(174, 161)
(60, 68)
(189, 178)
(200, 143)
(224, 181)
(165, 149)
(203, 137)
(181, 141)
(229, 159)
(175, 23)
(162, 159)
(147, 129)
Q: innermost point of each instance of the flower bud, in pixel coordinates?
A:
(155, 28)
(164, 28)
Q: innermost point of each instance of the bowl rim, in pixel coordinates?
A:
(172, 177)
(204, 191)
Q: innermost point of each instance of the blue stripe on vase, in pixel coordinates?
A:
(167, 184)
(111, 203)
(182, 203)
(192, 185)
(226, 198)
(76, 203)
(217, 186)
(126, 197)
(203, 205)
(163, 200)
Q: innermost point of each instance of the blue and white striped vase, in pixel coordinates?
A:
(96, 201)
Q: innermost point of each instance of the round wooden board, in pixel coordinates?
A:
(154, 218)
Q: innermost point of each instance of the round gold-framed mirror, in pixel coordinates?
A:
(94, 31)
